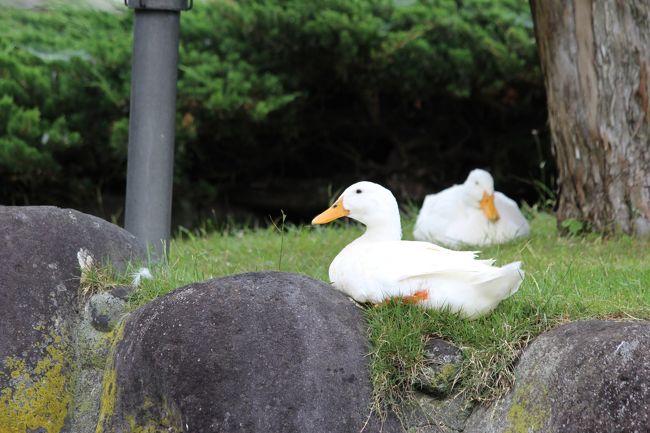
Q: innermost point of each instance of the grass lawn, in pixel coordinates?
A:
(566, 279)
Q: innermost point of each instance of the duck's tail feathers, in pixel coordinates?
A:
(506, 282)
(516, 275)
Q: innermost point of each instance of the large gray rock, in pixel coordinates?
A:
(584, 377)
(258, 352)
(39, 284)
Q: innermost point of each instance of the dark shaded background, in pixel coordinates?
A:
(281, 104)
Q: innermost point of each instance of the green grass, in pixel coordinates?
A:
(566, 279)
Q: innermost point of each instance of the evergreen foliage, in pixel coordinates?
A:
(413, 93)
(64, 90)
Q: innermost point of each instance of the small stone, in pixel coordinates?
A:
(121, 292)
(425, 414)
(443, 360)
(105, 311)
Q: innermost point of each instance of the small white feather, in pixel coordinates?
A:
(139, 275)
(85, 259)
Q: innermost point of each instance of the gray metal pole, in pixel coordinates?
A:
(150, 163)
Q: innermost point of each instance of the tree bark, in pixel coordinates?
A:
(595, 56)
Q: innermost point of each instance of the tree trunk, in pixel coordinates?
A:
(595, 56)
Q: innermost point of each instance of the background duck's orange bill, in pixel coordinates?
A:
(335, 211)
(487, 205)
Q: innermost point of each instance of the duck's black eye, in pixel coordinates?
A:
(358, 191)
(335, 205)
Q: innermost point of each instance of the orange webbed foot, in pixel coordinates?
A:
(419, 296)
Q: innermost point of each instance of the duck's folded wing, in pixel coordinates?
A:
(404, 260)
(511, 213)
(442, 206)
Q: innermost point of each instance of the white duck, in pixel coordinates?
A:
(379, 265)
(470, 213)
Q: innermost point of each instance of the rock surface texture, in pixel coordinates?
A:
(39, 306)
(583, 377)
(435, 408)
(258, 352)
(443, 360)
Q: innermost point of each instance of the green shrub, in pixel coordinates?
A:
(63, 91)
(413, 92)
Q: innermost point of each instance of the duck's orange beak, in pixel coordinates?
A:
(487, 205)
(337, 210)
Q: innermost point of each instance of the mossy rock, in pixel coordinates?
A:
(443, 361)
(425, 414)
(39, 306)
(583, 377)
(259, 352)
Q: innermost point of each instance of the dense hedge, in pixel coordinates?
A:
(64, 90)
(278, 100)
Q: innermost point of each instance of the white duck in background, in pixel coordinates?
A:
(471, 213)
(378, 265)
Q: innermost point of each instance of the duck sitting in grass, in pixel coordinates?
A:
(470, 213)
(379, 266)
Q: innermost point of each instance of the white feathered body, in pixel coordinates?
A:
(379, 265)
(447, 219)
(373, 271)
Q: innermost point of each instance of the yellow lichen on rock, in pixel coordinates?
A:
(109, 383)
(526, 416)
(163, 419)
(38, 397)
